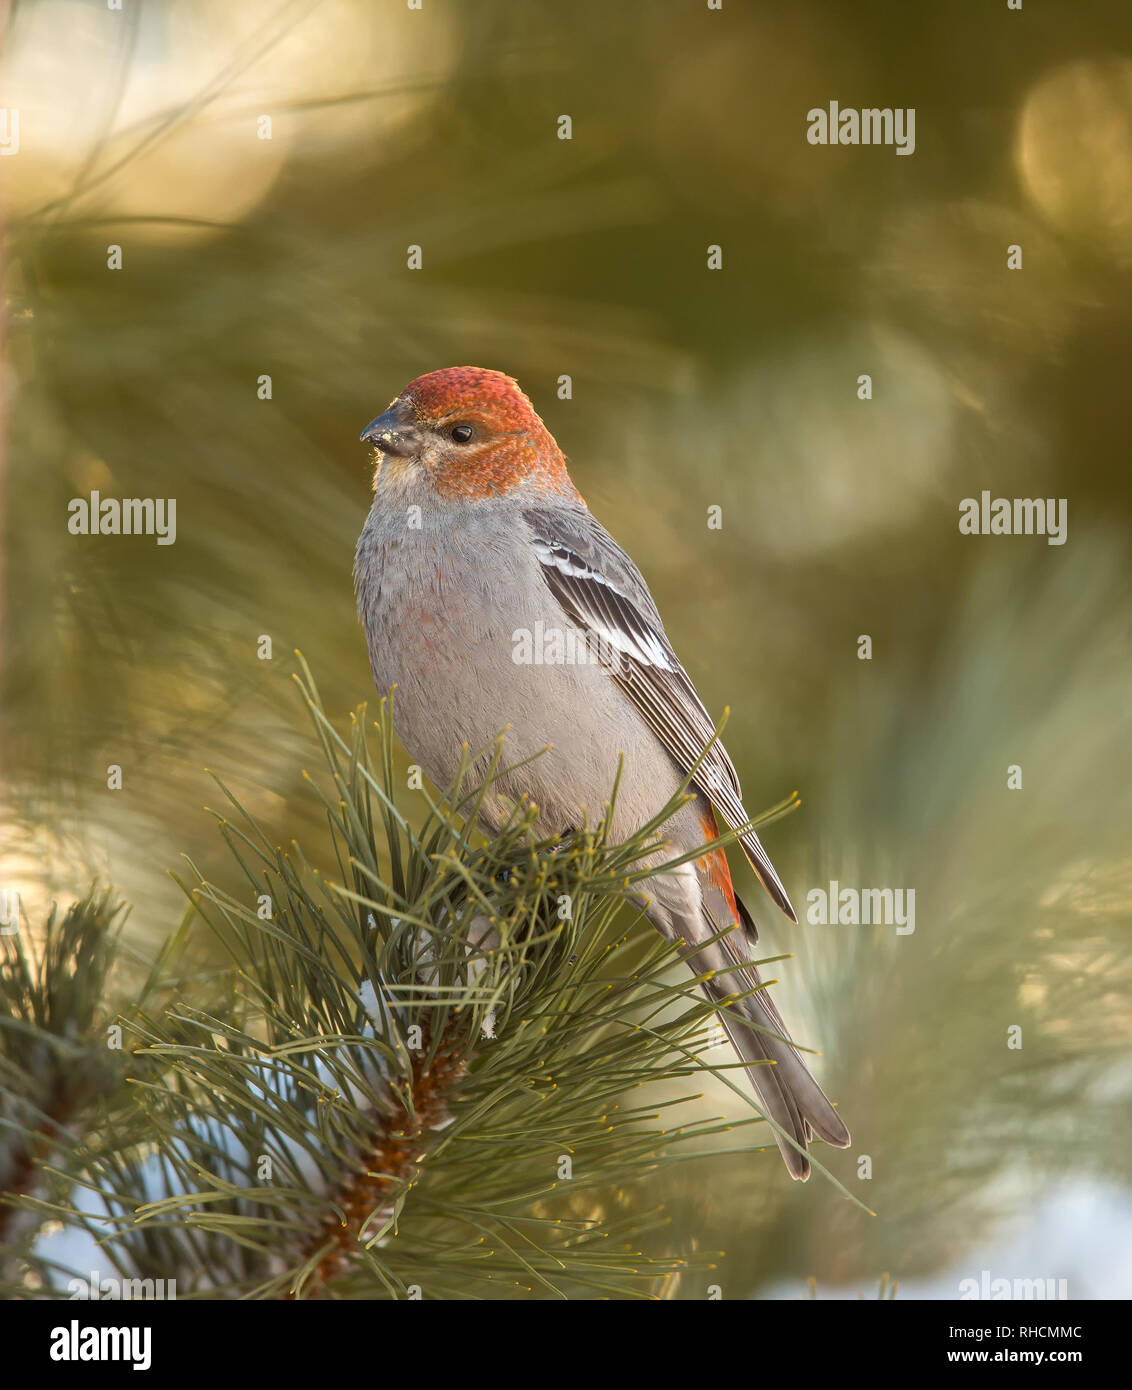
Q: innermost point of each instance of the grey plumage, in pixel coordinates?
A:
(445, 590)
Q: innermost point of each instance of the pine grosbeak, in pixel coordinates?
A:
(476, 535)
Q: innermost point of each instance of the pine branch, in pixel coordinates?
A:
(392, 1161)
(54, 1061)
(414, 1078)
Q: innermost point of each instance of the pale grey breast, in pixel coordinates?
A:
(447, 607)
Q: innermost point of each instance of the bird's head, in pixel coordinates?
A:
(474, 434)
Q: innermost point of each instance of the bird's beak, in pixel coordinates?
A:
(395, 432)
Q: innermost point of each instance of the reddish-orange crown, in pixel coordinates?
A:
(513, 444)
(478, 389)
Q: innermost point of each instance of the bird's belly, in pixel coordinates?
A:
(501, 660)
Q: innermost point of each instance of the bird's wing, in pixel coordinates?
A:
(601, 590)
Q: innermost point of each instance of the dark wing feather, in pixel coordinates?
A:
(600, 589)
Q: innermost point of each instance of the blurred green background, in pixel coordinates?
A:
(287, 257)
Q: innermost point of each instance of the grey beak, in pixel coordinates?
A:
(394, 432)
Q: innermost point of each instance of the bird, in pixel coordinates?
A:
(477, 541)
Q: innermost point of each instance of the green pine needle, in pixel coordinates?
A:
(416, 1077)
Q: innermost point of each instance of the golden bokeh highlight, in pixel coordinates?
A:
(1074, 153)
(166, 125)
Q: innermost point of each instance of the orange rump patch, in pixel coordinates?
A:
(714, 866)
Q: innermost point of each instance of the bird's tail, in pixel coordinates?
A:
(789, 1095)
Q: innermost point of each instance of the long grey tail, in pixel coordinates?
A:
(789, 1094)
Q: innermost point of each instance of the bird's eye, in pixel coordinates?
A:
(462, 433)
